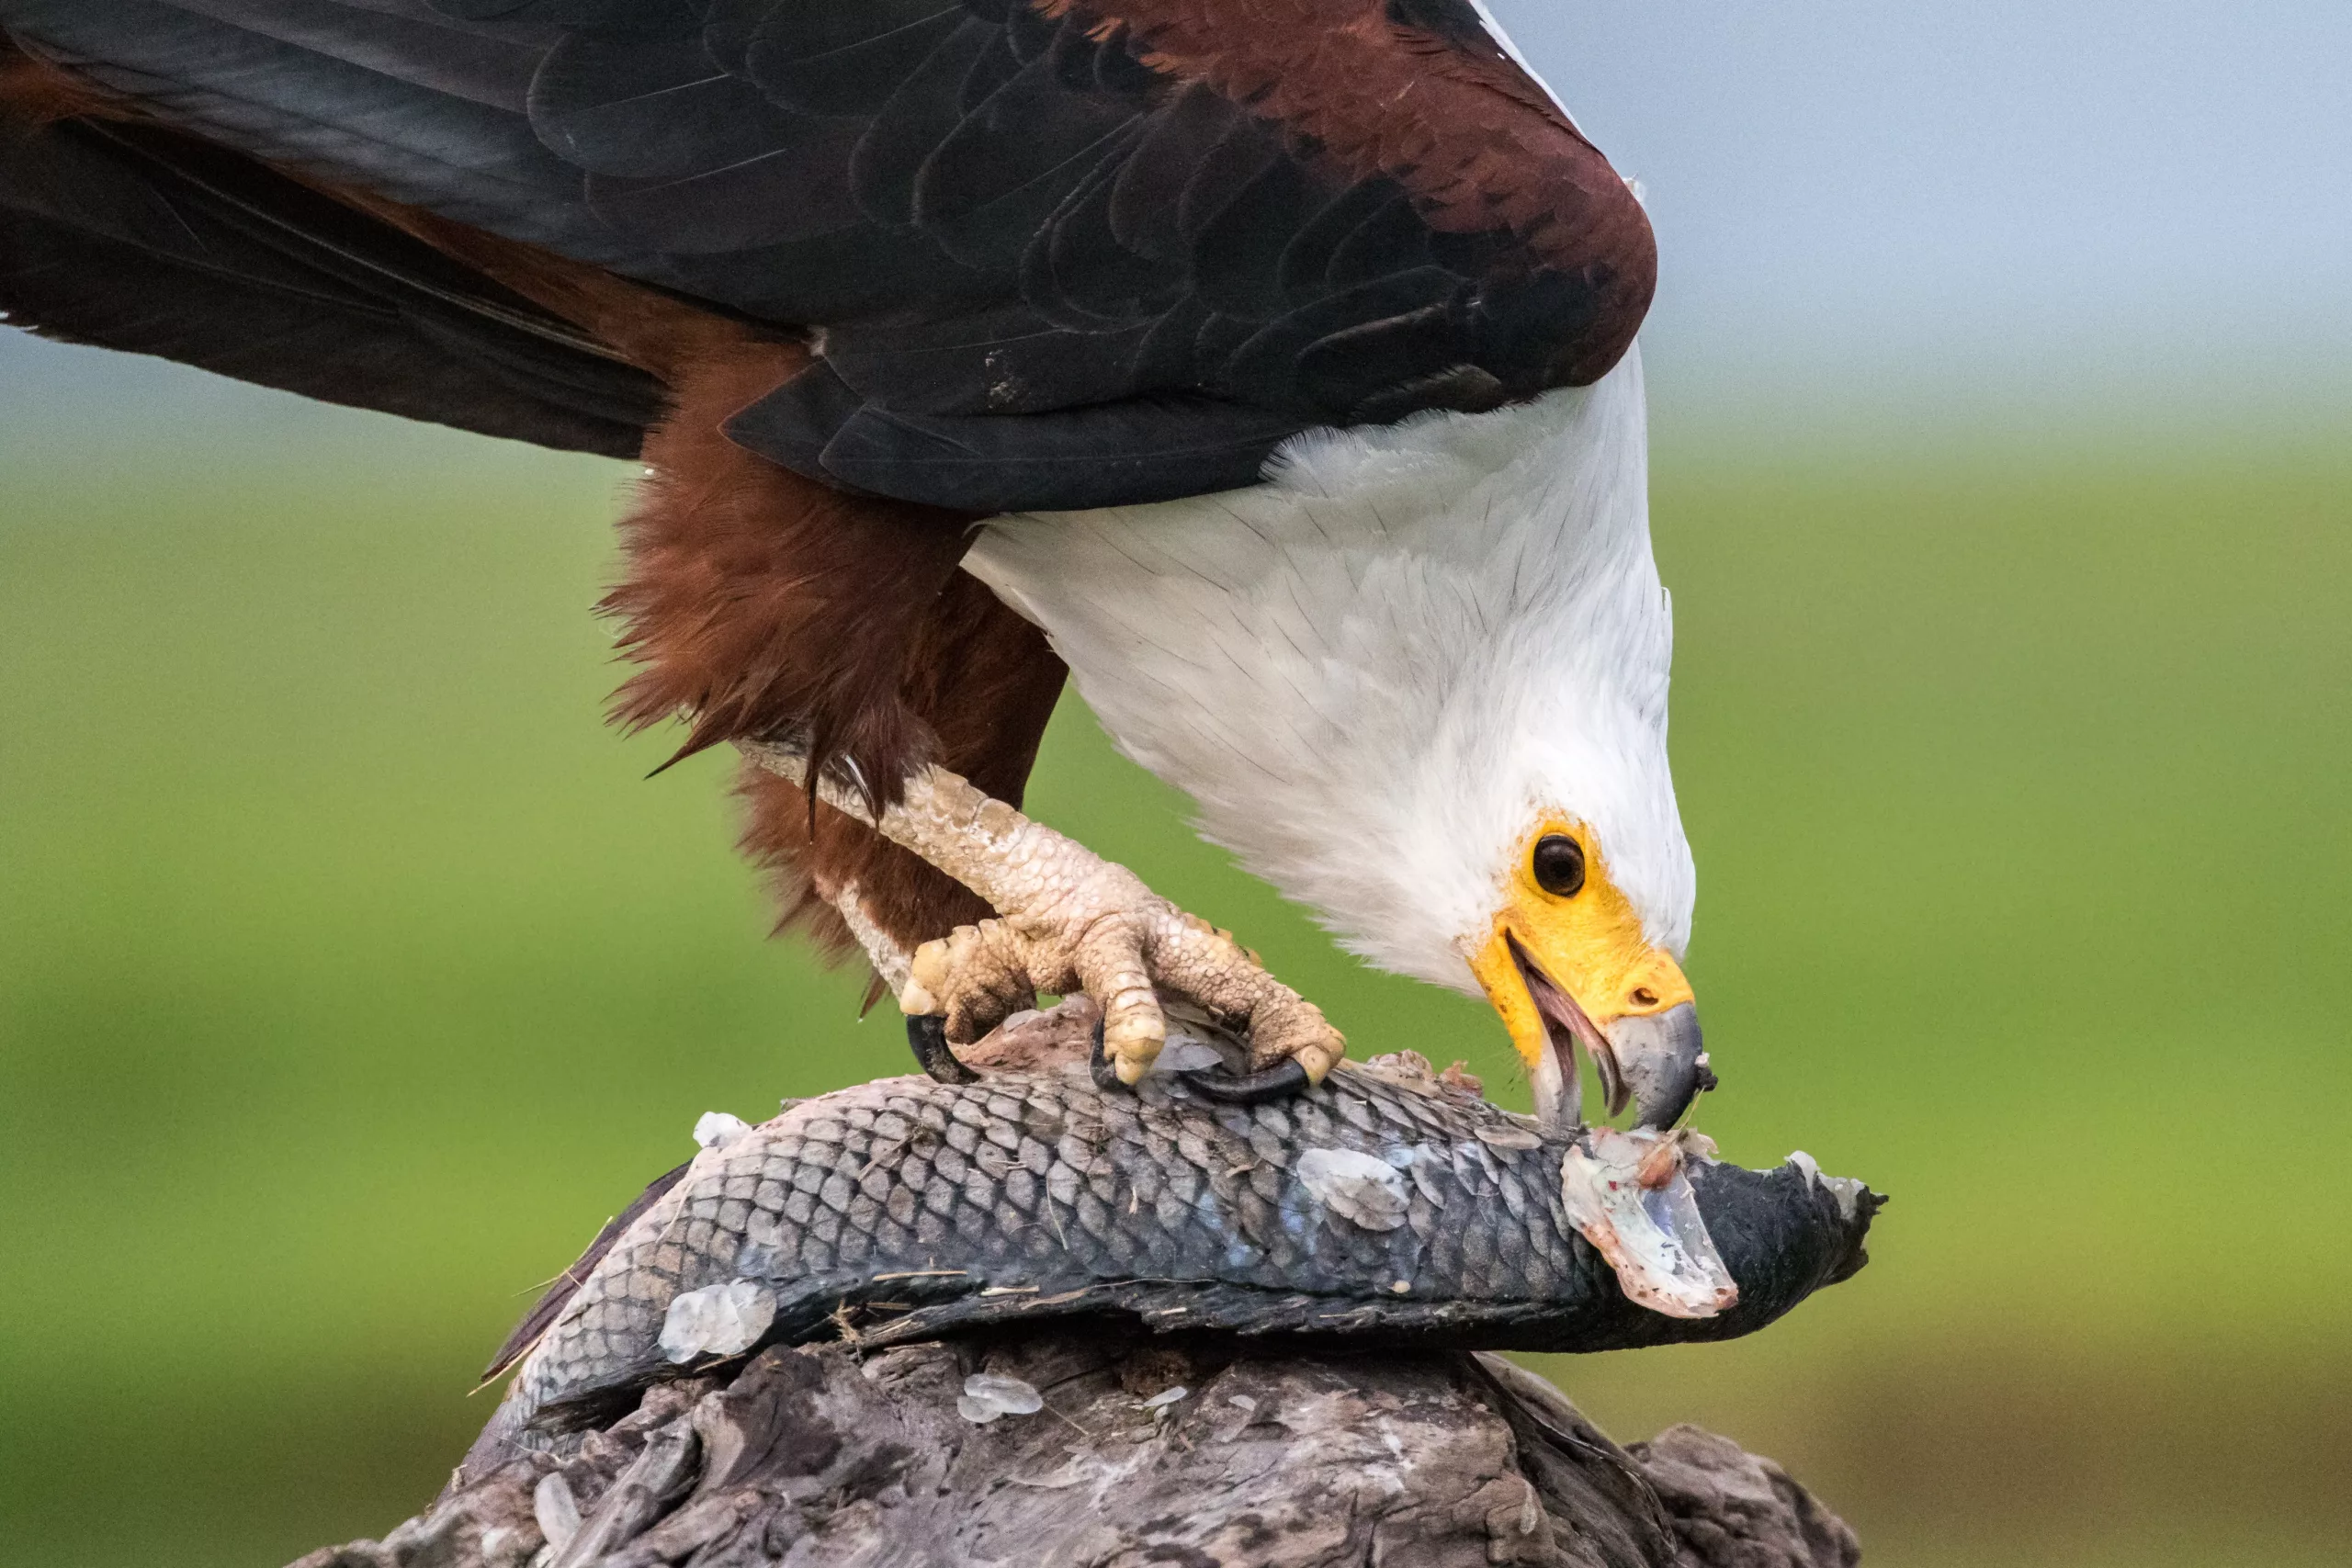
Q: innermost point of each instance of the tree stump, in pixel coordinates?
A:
(821, 1455)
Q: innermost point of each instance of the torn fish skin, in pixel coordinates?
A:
(1375, 1209)
(1628, 1194)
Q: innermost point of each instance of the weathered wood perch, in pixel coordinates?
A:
(825, 1455)
(1021, 1321)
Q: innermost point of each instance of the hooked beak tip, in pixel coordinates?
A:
(1661, 1065)
(1654, 1062)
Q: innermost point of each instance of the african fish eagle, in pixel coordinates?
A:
(1266, 364)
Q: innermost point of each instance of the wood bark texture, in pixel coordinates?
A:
(824, 1456)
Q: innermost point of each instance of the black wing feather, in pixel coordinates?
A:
(1047, 274)
(1114, 454)
(845, 60)
(142, 242)
(915, 120)
(1149, 194)
(650, 108)
(748, 204)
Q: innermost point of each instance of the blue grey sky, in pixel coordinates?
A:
(2049, 200)
(1945, 209)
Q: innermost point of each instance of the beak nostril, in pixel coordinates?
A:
(1643, 996)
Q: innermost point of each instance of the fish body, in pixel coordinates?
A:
(1376, 1208)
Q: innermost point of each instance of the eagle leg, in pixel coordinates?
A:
(1067, 920)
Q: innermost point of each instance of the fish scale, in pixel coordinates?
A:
(907, 1207)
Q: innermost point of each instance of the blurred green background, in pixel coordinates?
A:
(351, 974)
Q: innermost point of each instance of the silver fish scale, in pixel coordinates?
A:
(1061, 1187)
(1036, 1193)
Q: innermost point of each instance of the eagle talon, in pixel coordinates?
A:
(1281, 1082)
(927, 1035)
(1100, 1068)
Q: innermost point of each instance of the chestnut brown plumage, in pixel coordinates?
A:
(34, 93)
(759, 602)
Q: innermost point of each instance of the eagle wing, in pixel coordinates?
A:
(1049, 254)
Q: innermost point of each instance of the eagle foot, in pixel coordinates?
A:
(1068, 922)
(1124, 947)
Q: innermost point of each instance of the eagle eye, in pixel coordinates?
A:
(1558, 865)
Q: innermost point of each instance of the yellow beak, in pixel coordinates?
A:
(1563, 973)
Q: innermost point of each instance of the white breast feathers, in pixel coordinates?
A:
(1371, 670)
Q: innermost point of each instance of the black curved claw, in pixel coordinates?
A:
(927, 1033)
(1098, 1064)
(1278, 1082)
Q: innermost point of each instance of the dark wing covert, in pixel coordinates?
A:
(1053, 255)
